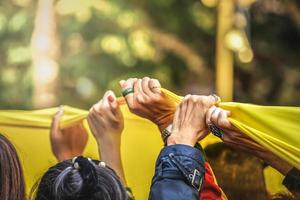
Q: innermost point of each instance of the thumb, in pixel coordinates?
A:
(112, 99)
(122, 83)
(56, 120)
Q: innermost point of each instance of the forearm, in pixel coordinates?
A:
(236, 139)
(274, 161)
(179, 174)
(111, 155)
(277, 163)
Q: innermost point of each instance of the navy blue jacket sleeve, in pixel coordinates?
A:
(179, 173)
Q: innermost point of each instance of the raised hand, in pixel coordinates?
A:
(237, 139)
(189, 121)
(69, 142)
(106, 119)
(106, 122)
(148, 101)
(231, 135)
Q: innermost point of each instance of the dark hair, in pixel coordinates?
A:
(239, 174)
(81, 179)
(11, 175)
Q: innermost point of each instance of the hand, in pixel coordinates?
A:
(106, 122)
(189, 121)
(148, 101)
(237, 139)
(232, 136)
(69, 142)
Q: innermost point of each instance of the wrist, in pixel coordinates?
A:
(277, 163)
(108, 139)
(109, 154)
(63, 157)
(164, 122)
(175, 139)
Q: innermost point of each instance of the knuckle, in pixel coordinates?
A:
(146, 78)
(133, 107)
(222, 123)
(214, 119)
(156, 98)
(186, 98)
(195, 98)
(93, 108)
(140, 99)
(151, 100)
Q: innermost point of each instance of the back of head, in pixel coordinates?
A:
(239, 174)
(80, 179)
(11, 175)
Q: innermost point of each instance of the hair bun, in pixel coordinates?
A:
(88, 173)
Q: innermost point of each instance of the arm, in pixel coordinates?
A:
(106, 122)
(180, 167)
(235, 138)
(149, 102)
(179, 174)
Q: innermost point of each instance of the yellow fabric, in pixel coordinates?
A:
(273, 127)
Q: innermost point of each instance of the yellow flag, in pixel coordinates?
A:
(276, 128)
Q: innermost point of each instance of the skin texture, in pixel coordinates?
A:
(236, 139)
(189, 121)
(148, 101)
(69, 142)
(106, 122)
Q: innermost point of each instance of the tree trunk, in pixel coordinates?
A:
(45, 54)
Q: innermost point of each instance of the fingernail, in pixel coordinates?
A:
(110, 98)
(187, 96)
(121, 82)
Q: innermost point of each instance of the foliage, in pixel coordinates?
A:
(104, 41)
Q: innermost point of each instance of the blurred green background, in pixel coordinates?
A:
(96, 43)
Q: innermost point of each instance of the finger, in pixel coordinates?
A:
(138, 92)
(215, 115)
(183, 107)
(191, 102)
(208, 101)
(145, 86)
(217, 98)
(122, 83)
(97, 107)
(112, 100)
(93, 120)
(96, 116)
(105, 107)
(209, 113)
(155, 86)
(115, 107)
(176, 123)
(129, 97)
(223, 121)
(56, 120)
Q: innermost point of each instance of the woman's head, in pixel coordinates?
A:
(80, 179)
(12, 185)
